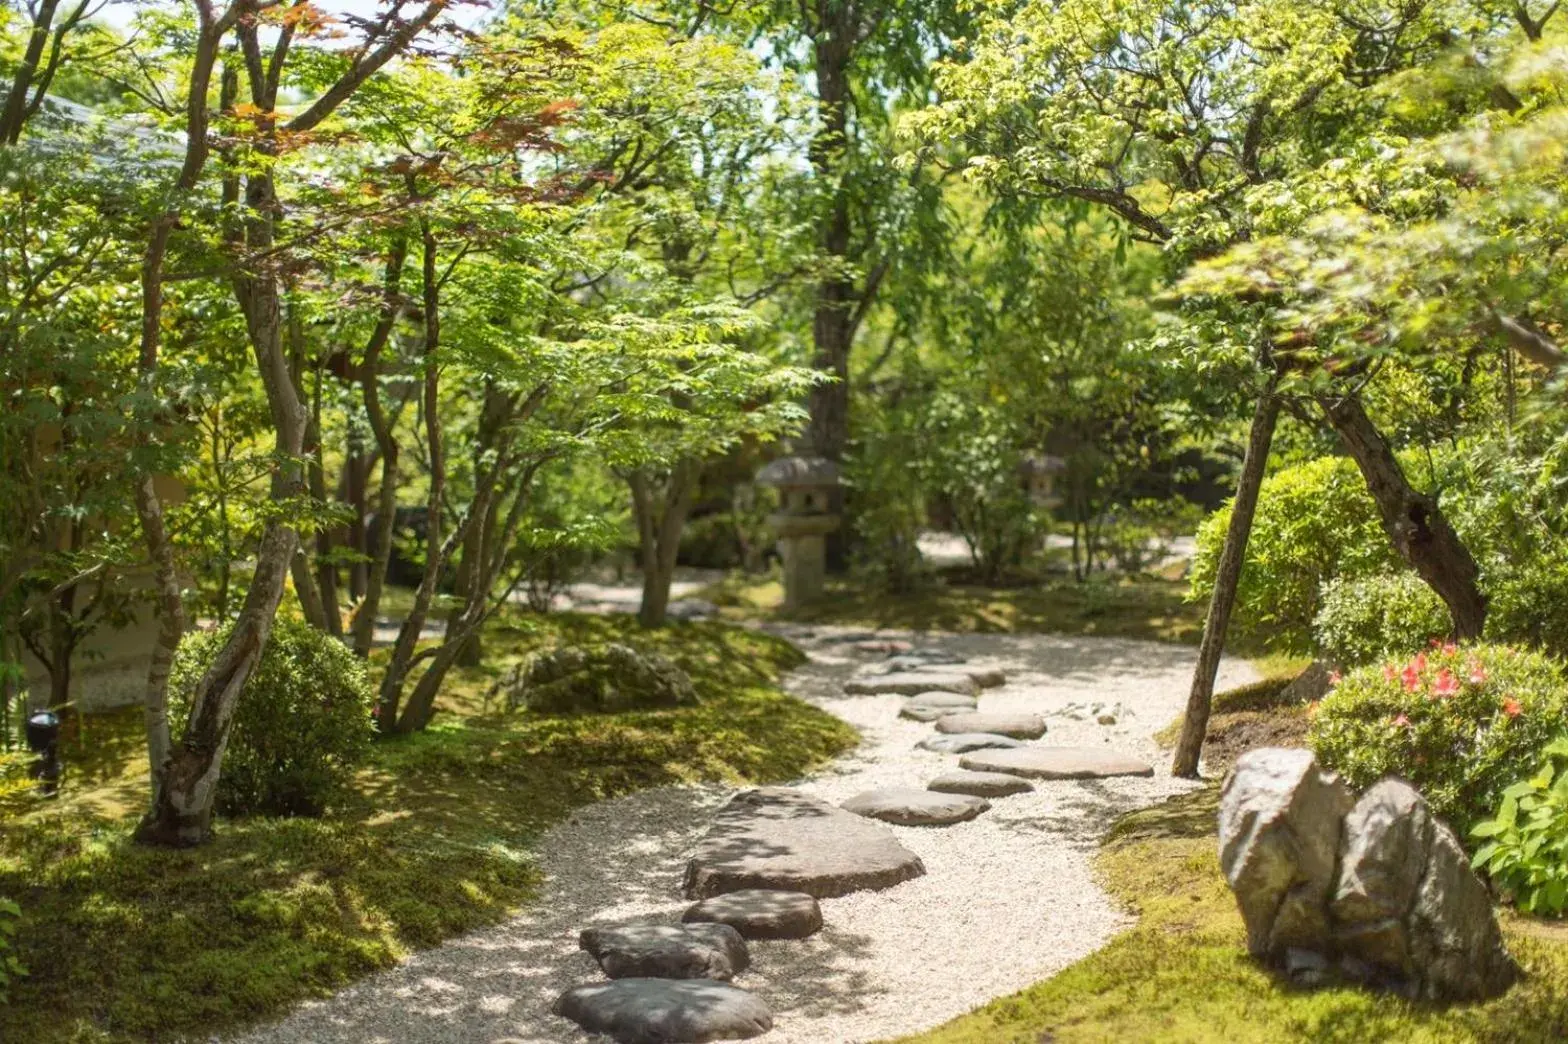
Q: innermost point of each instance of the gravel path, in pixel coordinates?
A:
(1007, 899)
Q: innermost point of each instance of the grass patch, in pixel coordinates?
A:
(131, 944)
(1181, 975)
(1123, 607)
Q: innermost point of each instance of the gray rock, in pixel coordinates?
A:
(665, 1011)
(1106, 719)
(980, 784)
(691, 609)
(1407, 903)
(1018, 726)
(908, 683)
(963, 742)
(929, 706)
(1279, 828)
(781, 839)
(1311, 684)
(610, 677)
(916, 807)
(761, 914)
(989, 678)
(665, 951)
(1056, 763)
(920, 659)
(886, 646)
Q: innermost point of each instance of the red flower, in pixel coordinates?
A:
(1449, 648)
(1511, 707)
(1389, 674)
(1447, 684)
(1411, 677)
(1477, 672)
(1399, 720)
(1420, 661)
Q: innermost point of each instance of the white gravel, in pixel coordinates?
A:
(1008, 898)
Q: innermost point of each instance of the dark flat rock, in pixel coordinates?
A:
(964, 742)
(665, 1011)
(908, 807)
(1056, 763)
(780, 839)
(920, 659)
(758, 913)
(666, 951)
(909, 683)
(980, 784)
(929, 706)
(1018, 726)
(989, 678)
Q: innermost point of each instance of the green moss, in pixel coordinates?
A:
(1181, 975)
(132, 944)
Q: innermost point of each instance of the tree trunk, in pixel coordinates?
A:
(1195, 723)
(14, 114)
(1413, 520)
(831, 331)
(659, 529)
(171, 627)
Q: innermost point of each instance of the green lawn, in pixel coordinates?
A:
(127, 944)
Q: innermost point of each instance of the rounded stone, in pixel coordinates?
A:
(761, 913)
(665, 1011)
(980, 784)
(929, 706)
(1018, 726)
(908, 807)
(963, 742)
(908, 683)
(1056, 763)
(665, 951)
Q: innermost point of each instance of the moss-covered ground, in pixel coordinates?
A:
(125, 943)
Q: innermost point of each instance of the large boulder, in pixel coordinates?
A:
(781, 839)
(665, 1011)
(605, 678)
(1377, 884)
(663, 951)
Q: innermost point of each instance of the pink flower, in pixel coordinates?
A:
(1389, 674)
(1400, 721)
(1447, 684)
(1333, 677)
(1420, 661)
(1511, 707)
(1477, 672)
(1449, 648)
(1411, 677)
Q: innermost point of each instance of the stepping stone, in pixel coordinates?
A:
(778, 838)
(889, 646)
(665, 1011)
(1018, 726)
(929, 706)
(665, 951)
(920, 659)
(980, 784)
(908, 807)
(964, 742)
(848, 638)
(1056, 763)
(909, 683)
(991, 678)
(761, 914)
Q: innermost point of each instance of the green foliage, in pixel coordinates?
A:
(886, 494)
(1314, 522)
(1524, 846)
(11, 968)
(1368, 618)
(1457, 722)
(303, 725)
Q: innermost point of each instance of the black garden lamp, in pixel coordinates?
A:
(43, 739)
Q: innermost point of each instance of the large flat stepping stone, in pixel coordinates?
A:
(909, 683)
(1057, 763)
(1018, 726)
(921, 659)
(665, 951)
(665, 1011)
(989, 678)
(759, 913)
(980, 784)
(929, 706)
(964, 742)
(778, 838)
(908, 807)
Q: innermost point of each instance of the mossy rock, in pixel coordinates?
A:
(595, 678)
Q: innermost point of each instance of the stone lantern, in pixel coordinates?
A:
(803, 521)
(1039, 471)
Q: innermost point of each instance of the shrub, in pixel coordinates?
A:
(11, 969)
(1367, 619)
(886, 497)
(1314, 522)
(1528, 601)
(1457, 722)
(1525, 845)
(302, 726)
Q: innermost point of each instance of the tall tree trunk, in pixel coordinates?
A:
(1195, 723)
(659, 527)
(1413, 520)
(171, 627)
(831, 327)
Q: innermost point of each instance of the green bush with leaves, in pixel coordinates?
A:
(1314, 522)
(886, 496)
(302, 727)
(11, 968)
(1364, 620)
(1457, 722)
(1524, 846)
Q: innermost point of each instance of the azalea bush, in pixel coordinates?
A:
(1457, 722)
(1524, 847)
